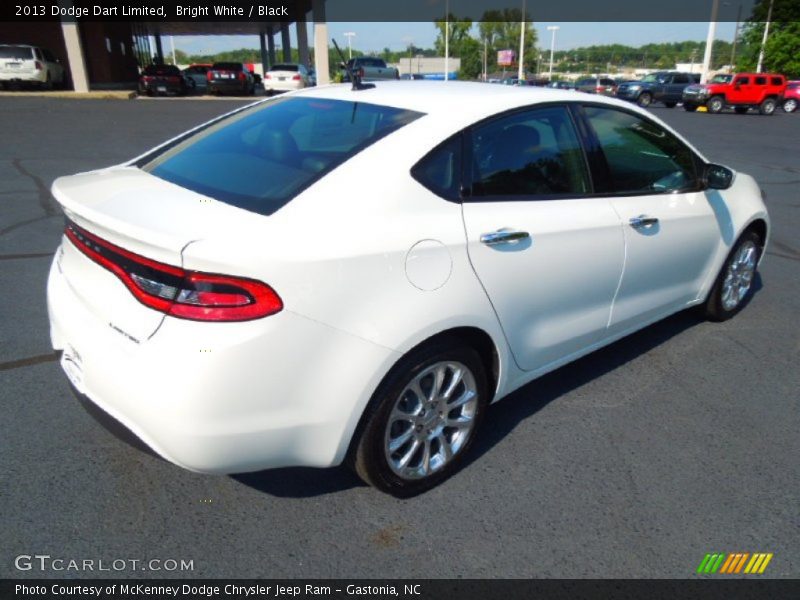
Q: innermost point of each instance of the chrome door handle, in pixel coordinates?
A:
(643, 221)
(503, 236)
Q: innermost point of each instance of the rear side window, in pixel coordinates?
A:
(530, 153)
(777, 81)
(641, 156)
(262, 157)
(681, 78)
(742, 81)
(440, 170)
(16, 52)
(761, 81)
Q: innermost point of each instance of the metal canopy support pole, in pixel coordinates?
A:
(264, 57)
(75, 56)
(271, 46)
(320, 42)
(286, 42)
(302, 39)
(159, 50)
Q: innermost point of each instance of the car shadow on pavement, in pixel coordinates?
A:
(502, 417)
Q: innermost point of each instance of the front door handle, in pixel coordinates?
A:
(503, 236)
(643, 221)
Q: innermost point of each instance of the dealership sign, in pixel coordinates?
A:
(505, 58)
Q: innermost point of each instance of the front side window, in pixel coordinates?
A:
(530, 153)
(641, 156)
(262, 157)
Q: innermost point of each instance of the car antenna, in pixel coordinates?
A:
(356, 79)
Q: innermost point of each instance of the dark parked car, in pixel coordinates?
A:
(197, 76)
(162, 79)
(230, 77)
(661, 86)
(561, 85)
(596, 85)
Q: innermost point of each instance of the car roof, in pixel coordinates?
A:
(473, 99)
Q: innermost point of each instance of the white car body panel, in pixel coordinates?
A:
(366, 273)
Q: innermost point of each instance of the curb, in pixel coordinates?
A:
(98, 95)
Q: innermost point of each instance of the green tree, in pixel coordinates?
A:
(462, 45)
(782, 50)
(500, 30)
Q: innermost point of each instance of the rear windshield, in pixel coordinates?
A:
(16, 52)
(227, 66)
(162, 70)
(261, 158)
(284, 68)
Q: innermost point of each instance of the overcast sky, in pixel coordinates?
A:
(397, 36)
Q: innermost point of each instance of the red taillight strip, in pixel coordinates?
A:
(210, 297)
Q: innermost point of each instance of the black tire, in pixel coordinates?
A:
(689, 107)
(369, 454)
(670, 104)
(645, 99)
(740, 110)
(767, 107)
(715, 307)
(715, 104)
(790, 105)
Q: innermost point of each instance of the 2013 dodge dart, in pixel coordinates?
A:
(353, 275)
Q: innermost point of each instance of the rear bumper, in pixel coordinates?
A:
(282, 86)
(233, 85)
(24, 77)
(223, 397)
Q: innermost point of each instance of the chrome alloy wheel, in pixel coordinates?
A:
(790, 105)
(431, 420)
(739, 276)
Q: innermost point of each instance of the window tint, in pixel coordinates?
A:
(228, 66)
(742, 81)
(284, 68)
(440, 170)
(530, 153)
(681, 78)
(761, 81)
(48, 56)
(641, 156)
(16, 52)
(262, 157)
(777, 81)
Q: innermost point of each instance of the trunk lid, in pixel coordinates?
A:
(142, 214)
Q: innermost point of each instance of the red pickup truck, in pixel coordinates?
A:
(743, 91)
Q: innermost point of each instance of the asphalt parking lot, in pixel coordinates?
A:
(635, 461)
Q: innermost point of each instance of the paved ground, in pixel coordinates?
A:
(635, 461)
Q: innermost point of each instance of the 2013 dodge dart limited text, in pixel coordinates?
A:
(252, 294)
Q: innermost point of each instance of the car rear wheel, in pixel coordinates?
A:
(689, 107)
(644, 100)
(715, 104)
(734, 283)
(767, 106)
(790, 105)
(422, 420)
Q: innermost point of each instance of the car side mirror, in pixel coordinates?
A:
(717, 177)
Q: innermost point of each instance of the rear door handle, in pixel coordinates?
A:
(643, 221)
(503, 236)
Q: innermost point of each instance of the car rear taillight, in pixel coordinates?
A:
(147, 78)
(176, 292)
(267, 76)
(296, 77)
(599, 88)
(210, 75)
(242, 76)
(37, 65)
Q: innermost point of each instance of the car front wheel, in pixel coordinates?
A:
(715, 105)
(422, 420)
(734, 283)
(644, 100)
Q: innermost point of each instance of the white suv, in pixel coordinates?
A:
(21, 64)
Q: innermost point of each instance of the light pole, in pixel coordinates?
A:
(521, 61)
(446, 40)
(552, 28)
(349, 35)
(764, 40)
(735, 36)
(712, 27)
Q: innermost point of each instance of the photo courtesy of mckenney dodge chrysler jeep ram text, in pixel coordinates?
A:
(247, 296)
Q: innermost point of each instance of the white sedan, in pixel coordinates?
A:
(286, 77)
(352, 276)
